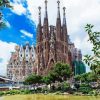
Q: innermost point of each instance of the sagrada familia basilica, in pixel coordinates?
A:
(53, 45)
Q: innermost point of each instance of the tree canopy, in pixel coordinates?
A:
(60, 72)
(3, 4)
(32, 79)
(93, 60)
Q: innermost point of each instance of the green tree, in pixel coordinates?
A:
(92, 77)
(94, 60)
(61, 72)
(3, 4)
(46, 80)
(33, 79)
(77, 78)
(94, 38)
(86, 77)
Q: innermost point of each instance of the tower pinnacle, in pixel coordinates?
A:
(58, 9)
(46, 15)
(39, 14)
(64, 8)
(64, 15)
(58, 3)
(39, 37)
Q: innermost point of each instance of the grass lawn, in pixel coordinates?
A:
(49, 97)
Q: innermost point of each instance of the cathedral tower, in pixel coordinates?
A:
(46, 37)
(52, 43)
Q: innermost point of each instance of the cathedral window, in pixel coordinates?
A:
(27, 50)
(17, 72)
(45, 45)
(38, 49)
(27, 62)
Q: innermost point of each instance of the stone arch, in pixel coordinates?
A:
(51, 63)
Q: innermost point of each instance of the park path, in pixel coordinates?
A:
(1, 98)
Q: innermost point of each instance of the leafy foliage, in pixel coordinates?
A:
(65, 86)
(86, 77)
(46, 79)
(85, 90)
(93, 61)
(32, 79)
(62, 71)
(59, 73)
(3, 4)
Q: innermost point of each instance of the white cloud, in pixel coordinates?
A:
(80, 13)
(5, 53)
(23, 36)
(18, 7)
(8, 24)
(26, 33)
(83, 44)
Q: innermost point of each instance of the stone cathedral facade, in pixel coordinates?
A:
(52, 41)
(53, 45)
(22, 63)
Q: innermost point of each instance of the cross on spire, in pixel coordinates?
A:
(64, 15)
(58, 3)
(39, 10)
(58, 16)
(46, 1)
(64, 9)
(46, 15)
(46, 4)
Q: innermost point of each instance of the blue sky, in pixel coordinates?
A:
(15, 24)
(22, 20)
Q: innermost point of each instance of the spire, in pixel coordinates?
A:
(45, 24)
(64, 15)
(58, 23)
(46, 14)
(39, 36)
(64, 28)
(58, 16)
(39, 15)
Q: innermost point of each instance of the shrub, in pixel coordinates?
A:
(45, 90)
(12, 92)
(1, 93)
(84, 85)
(77, 86)
(58, 88)
(85, 90)
(65, 87)
(94, 93)
(57, 93)
(39, 89)
(27, 92)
